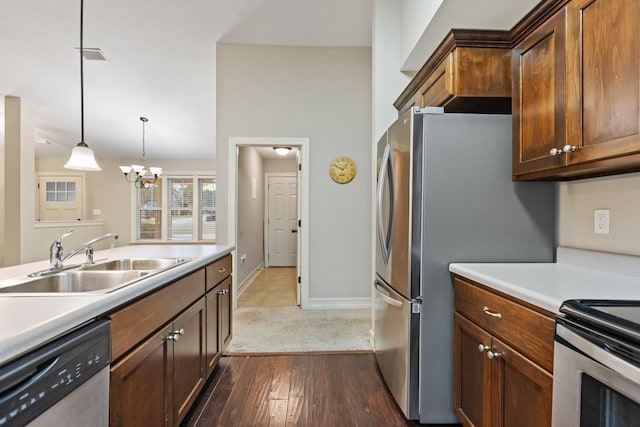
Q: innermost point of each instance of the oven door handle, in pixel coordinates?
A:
(575, 342)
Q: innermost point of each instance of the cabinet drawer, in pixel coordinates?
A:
(217, 271)
(529, 331)
(137, 321)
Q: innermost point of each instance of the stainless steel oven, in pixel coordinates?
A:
(596, 380)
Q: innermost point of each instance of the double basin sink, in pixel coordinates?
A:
(95, 278)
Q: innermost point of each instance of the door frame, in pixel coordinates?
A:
(81, 194)
(303, 196)
(266, 209)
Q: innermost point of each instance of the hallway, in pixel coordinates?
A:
(268, 320)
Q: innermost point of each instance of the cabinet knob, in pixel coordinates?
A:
(222, 270)
(488, 312)
(568, 148)
(221, 292)
(493, 355)
(482, 348)
(173, 337)
(555, 151)
(178, 332)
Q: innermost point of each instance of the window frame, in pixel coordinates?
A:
(165, 206)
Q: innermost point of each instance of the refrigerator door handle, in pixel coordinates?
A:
(386, 170)
(386, 298)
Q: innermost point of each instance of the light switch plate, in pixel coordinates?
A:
(601, 221)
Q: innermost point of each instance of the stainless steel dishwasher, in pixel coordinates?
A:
(63, 383)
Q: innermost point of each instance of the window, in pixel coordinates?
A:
(172, 211)
(149, 212)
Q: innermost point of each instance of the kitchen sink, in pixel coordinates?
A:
(147, 264)
(77, 281)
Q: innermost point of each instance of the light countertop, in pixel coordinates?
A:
(28, 321)
(547, 285)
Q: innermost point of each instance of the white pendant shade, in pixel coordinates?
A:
(82, 159)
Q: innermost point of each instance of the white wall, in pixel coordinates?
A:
(250, 213)
(19, 179)
(280, 165)
(319, 93)
(578, 199)
(388, 81)
(415, 16)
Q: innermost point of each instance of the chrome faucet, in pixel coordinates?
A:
(55, 251)
(88, 247)
(57, 257)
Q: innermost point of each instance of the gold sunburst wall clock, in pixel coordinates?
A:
(342, 170)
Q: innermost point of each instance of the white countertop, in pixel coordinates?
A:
(547, 285)
(29, 321)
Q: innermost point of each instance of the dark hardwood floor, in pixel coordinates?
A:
(296, 390)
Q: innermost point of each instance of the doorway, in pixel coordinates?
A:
(298, 238)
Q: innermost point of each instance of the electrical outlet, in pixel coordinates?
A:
(601, 221)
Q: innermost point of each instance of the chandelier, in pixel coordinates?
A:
(141, 179)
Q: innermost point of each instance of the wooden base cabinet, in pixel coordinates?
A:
(166, 344)
(218, 321)
(156, 383)
(495, 383)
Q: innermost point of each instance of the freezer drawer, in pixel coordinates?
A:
(397, 345)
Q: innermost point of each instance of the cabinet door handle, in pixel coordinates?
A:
(482, 348)
(178, 331)
(493, 355)
(556, 151)
(568, 148)
(488, 312)
(222, 270)
(221, 292)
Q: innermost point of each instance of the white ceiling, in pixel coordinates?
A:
(160, 64)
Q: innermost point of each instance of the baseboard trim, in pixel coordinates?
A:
(250, 278)
(339, 303)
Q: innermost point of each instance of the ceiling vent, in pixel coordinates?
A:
(93, 54)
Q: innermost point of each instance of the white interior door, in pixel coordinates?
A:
(282, 221)
(60, 198)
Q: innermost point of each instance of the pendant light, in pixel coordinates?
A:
(141, 180)
(82, 157)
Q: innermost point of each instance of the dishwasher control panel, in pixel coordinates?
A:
(35, 382)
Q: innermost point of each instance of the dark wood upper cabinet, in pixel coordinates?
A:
(469, 72)
(606, 47)
(539, 90)
(576, 90)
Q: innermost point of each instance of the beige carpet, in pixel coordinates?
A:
(290, 329)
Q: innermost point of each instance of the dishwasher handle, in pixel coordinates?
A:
(20, 381)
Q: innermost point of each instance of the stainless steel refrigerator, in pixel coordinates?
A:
(444, 194)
